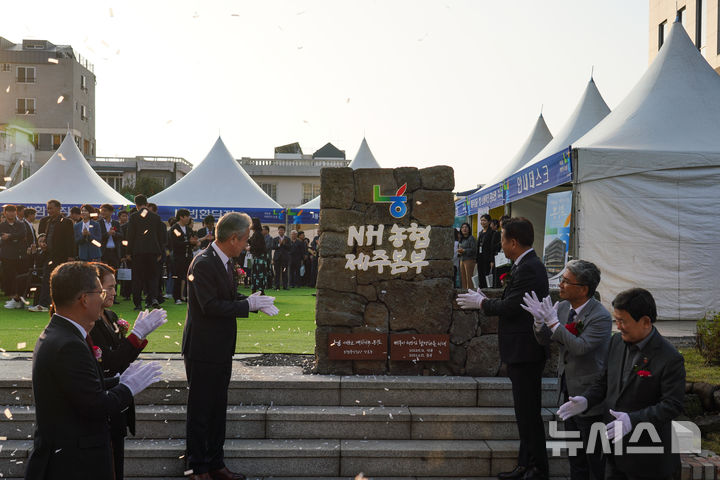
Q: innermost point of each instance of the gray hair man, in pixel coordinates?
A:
(209, 343)
(582, 327)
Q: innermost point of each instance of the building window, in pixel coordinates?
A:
(83, 112)
(115, 181)
(83, 82)
(57, 140)
(700, 25)
(25, 106)
(6, 67)
(270, 189)
(310, 191)
(86, 147)
(681, 16)
(77, 141)
(25, 75)
(661, 33)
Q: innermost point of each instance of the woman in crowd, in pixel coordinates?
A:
(260, 273)
(115, 351)
(485, 255)
(466, 250)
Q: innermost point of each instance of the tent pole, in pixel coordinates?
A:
(574, 248)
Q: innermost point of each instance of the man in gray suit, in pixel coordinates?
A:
(582, 327)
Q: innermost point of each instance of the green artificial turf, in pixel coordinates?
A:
(291, 331)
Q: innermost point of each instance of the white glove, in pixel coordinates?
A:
(544, 311)
(270, 311)
(258, 302)
(138, 376)
(147, 322)
(472, 299)
(572, 407)
(620, 427)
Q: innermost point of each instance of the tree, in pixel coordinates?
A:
(147, 186)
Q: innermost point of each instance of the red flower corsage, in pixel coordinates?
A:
(98, 353)
(575, 328)
(504, 278)
(644, 373)
(123, 326)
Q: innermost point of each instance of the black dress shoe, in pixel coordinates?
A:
(533, 473)
(518, 472)
(225, 474)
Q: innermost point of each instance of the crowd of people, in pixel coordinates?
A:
(151, 256)
(478, 254)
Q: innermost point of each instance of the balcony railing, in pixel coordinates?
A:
(295, 162)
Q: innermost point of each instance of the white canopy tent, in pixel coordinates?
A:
(363, 159)
(590, 110)
(647, 186)
(66, 177)
(217, 184)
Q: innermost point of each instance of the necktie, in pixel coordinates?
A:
(571, 316)
(230, 271)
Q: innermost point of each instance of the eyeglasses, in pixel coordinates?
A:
(564, 280)
(102, 293)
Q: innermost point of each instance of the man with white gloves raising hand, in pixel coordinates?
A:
(209, 343)
(643, 385)
(73, 401)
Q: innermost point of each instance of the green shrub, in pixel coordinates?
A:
(708, 338)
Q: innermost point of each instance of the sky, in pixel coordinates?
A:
(444, 82)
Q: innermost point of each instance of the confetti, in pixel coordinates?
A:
(188, 472)
(96, 243)
(60, 99)
(21, 345)
(3, 188)
(144, 213)
(53, 60)
(111, 16)
(7, 90)
(3, 438)
(287, 314)
(62, 157)
(145, 232)
(418, 202)
(125, 243)
(191, 277)
(8, 414)
(167, 336)
(177, 233)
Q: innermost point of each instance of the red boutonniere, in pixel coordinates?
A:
(240, 271)
(505, 278)
(98, 353)
(123, 326)
(575, 328)
(644, 373)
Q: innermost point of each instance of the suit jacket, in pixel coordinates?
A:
(298, 250)
(203, 233)
(281, 247)
(581, 358)
(87, 250)
(213, 305)
(117, 238)
(146, 234)
(656, 398)
(515, 328)
(182, 250)
(15, 246)
(60, 238)
(73, 407)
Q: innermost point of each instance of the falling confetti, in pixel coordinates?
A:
(111, 13)
(8, 414)
(144, 213)
(287, 314)
(125, 243)
(62, 157)
(418, 202)
(60, 99)
(7, 179)
(7, 90)
(53, 60)
(145, 232)
(191, 277)
(96, 243)
(177, 233)
(167, 336)
(21, 345)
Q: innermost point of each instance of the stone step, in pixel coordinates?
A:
(320, 458)
(331, 390)
(314, 422)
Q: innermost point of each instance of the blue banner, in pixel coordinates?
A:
(266, 215)
(461, 208)
(41, 209)
(487, 198)
(543, 175)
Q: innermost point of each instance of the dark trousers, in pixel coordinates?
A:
(47, 269)
(10, 270)
(613, 473)
(110, 257)
(526, 381)
(179, 275)
(281, 272)
(295, 271)
(583, 465)
(206, 412)
(144, 278)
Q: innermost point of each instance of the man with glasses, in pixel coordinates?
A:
(74, 405)
(582, 327)
(643, 387)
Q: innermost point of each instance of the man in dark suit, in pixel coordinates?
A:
(74, 405)
(205, 234)
(182, 242)
(582, 327)
(60, 248)
(110, 236)
(643, 387)
(281, 258)
(298, 253)
(12, 250)
(146, 238)
(125, 285)
(525, 358)
(209, 343)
